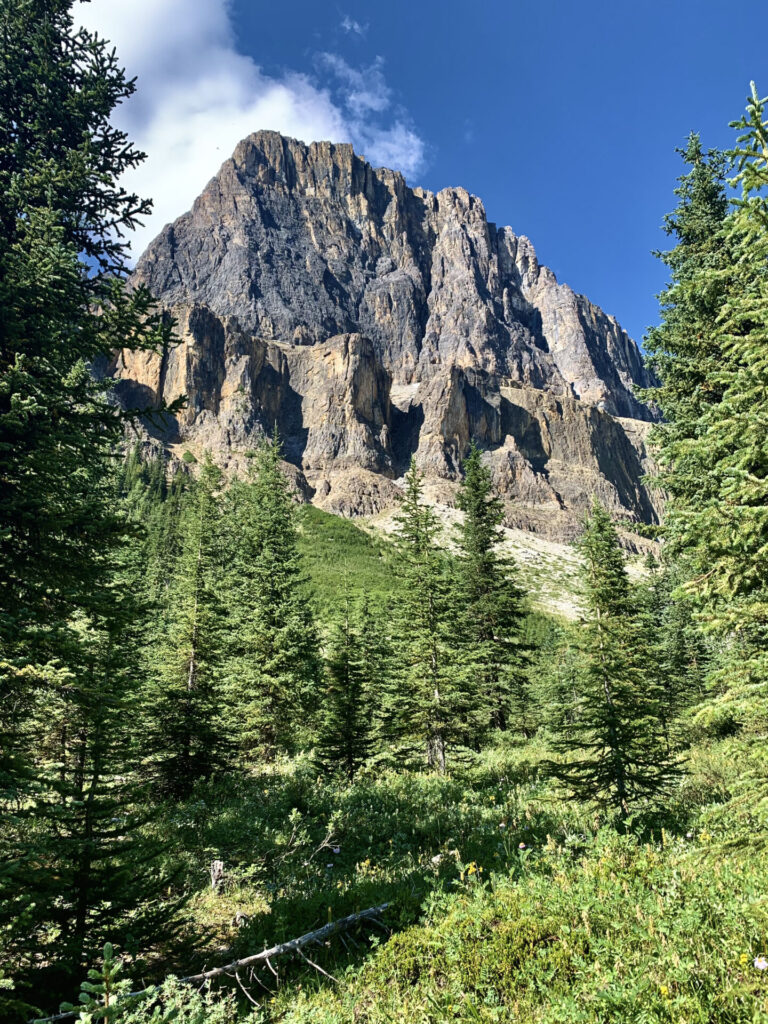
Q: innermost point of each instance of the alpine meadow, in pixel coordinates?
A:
(383, 632)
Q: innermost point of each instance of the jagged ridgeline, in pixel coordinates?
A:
(371, 322)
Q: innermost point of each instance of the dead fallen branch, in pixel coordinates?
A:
(294, 945)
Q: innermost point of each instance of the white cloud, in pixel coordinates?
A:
(197, 96)
(365, 89)
(350, 25)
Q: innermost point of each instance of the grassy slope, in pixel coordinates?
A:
(339, 554)
(359, 555)
(581, 925)
(600, 927)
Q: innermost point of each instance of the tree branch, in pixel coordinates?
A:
(293, 945)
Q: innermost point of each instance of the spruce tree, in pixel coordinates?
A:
(612, 746)
(674, 642)
(489, 607)
(77, 867)
(374, 625)
(712, 344)
(273, 660)
(64, 680)
(419, 714)
(186, 708)
(344, 735)
(63, 303)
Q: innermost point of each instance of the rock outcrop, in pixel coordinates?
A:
(371, 322)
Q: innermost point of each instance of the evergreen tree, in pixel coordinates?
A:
(344, 738)
(674, 642)
(544, 640)
(419, 711)
(78, 867)
(377, 659)
(489, 605)
(712, 343)
(63, 303)
(186, 707)
(273, 663)
(614, 752)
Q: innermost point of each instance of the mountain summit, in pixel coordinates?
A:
(371, 322)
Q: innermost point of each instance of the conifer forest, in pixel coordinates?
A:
(260, 762)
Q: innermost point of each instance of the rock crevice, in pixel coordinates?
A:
(371, 322)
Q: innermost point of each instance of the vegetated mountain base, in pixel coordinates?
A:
(507, 903)
(371, 322)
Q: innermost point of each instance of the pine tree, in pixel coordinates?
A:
(344, 736)
(64, 687)
(273, 662)
(675, 644)
(418, 716)
(713, 450)
(186, 702)
(613, 749)
(489, 605)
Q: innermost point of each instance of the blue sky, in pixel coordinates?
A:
(562, 116)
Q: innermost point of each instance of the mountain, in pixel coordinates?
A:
(370, 322)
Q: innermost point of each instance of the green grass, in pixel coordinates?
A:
(624, 931)
(340, 555)
(581, 924)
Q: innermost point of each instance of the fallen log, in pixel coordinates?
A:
(293, 945)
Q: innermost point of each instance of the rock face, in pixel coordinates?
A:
(372, 322)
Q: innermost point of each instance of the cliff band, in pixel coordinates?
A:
(371, 322)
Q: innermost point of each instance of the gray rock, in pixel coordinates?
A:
(371, 322)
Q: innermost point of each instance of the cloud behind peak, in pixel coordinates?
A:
(197, 96)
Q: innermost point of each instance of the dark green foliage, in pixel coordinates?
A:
(682, 349)
(104, 994)
(344, 738)
(421, 709)
(67, 679)
(77, 867)
(675, 646)
(160, 671)
(185, 702)
(273, 664)
(61, 254)
(710, 353)
(490, 613)
(612, 747)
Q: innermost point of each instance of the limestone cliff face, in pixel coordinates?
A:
(371, 322)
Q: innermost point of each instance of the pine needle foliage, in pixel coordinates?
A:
(185, 704)
(420, 711)
(67, 677)
(273, 664)
(346, 713)
(490, 607)
(710, 352)
(612, 745)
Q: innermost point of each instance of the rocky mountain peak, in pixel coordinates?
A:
(304, 279)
